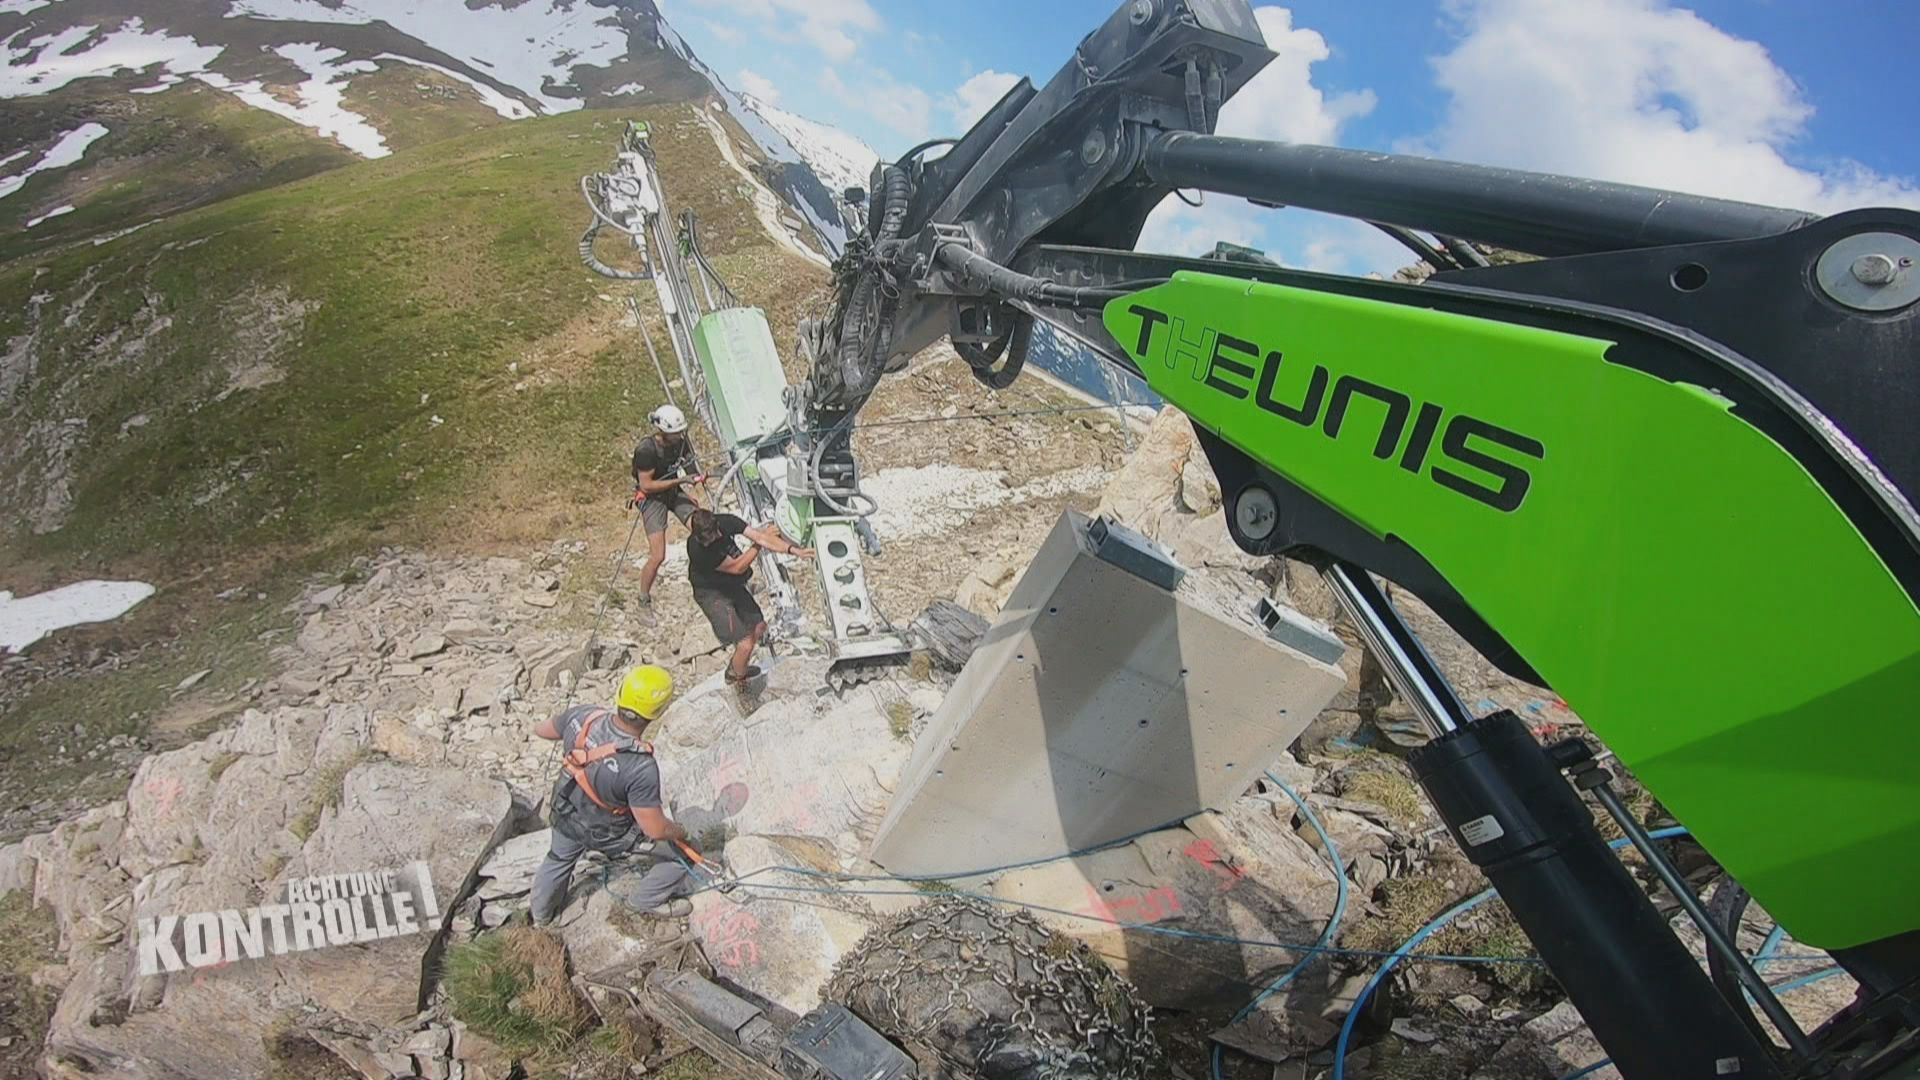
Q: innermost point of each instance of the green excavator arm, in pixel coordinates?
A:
(1678, 577)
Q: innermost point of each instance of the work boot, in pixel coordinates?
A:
(643, 610)
(753, 672)
(677, 908)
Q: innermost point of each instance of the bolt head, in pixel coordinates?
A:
(1874, 269)
(1256, 513)
(1140, 12)
(1094, 148)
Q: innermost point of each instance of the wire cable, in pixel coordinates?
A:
(546, 774)
(1339, 869)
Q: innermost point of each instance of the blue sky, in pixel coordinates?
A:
(1775, 101)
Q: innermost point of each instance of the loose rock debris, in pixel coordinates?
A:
(425, 667)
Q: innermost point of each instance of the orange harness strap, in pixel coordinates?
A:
(580, 757)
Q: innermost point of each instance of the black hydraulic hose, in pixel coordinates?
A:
(1466, 253)
(1014, 344)
(1429, 254)
(1533, 212)
(593, 263)
(991, 277)
(923, 148)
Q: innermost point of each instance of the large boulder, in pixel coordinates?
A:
(1167, 490)
(780, 950)
(224, 824)
(797, 765)
(1242, 874)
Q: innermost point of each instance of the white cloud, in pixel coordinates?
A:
(972, 99)
(903, 108)
(1637, 92)
(832, 26)
(758, 85)
(1281, 102)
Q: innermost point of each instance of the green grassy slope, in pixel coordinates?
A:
(163, 152)
(264, 373)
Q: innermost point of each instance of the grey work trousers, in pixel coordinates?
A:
(666, 879)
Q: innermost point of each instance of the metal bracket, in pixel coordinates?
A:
(1134, 553)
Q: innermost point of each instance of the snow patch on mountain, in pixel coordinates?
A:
(68, 149)
(322, 104)
(532, 46)
(839, 159)
(41, 65)
(825, 219)
(491, 98)
(53, 213)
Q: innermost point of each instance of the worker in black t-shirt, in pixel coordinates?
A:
(664, 482)
(720, 569)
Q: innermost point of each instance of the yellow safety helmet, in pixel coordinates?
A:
(645, 691)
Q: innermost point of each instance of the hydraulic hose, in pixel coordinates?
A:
(593, 263)
(990, 276)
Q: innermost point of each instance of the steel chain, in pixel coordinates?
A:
(1082, 1019)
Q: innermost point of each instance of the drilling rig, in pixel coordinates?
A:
(730, 371)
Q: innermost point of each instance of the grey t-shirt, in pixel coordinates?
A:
(623, 779)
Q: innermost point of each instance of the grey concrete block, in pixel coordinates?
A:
(1099, 705)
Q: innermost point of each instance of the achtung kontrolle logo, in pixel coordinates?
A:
(317, 912)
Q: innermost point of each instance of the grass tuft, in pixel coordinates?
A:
(1385, 787)
(512, 986)
(327, 788)
(221, 763)
(29, 938)
(900, 720)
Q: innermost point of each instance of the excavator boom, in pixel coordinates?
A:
(1666, 467)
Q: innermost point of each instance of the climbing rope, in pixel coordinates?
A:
(593, 637)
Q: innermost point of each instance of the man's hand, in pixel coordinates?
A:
(799, 552)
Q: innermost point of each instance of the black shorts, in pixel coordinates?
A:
(730, 609)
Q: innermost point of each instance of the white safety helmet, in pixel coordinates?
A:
(668, 419)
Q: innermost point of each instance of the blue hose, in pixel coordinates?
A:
(1333, 924)
(1399, 954)
(1768, 947)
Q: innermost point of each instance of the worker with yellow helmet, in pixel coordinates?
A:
(609, 784)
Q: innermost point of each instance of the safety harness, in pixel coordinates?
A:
(581, 757)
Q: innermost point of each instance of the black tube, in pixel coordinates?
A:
(1463, 251)
(1639, 990)
(1429, 254)
(1533, 212)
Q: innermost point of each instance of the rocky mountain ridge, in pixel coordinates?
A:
(361, 81)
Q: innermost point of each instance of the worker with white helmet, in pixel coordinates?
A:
(608, 797)
(664, 480)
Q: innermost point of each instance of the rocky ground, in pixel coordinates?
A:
(394, 724)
